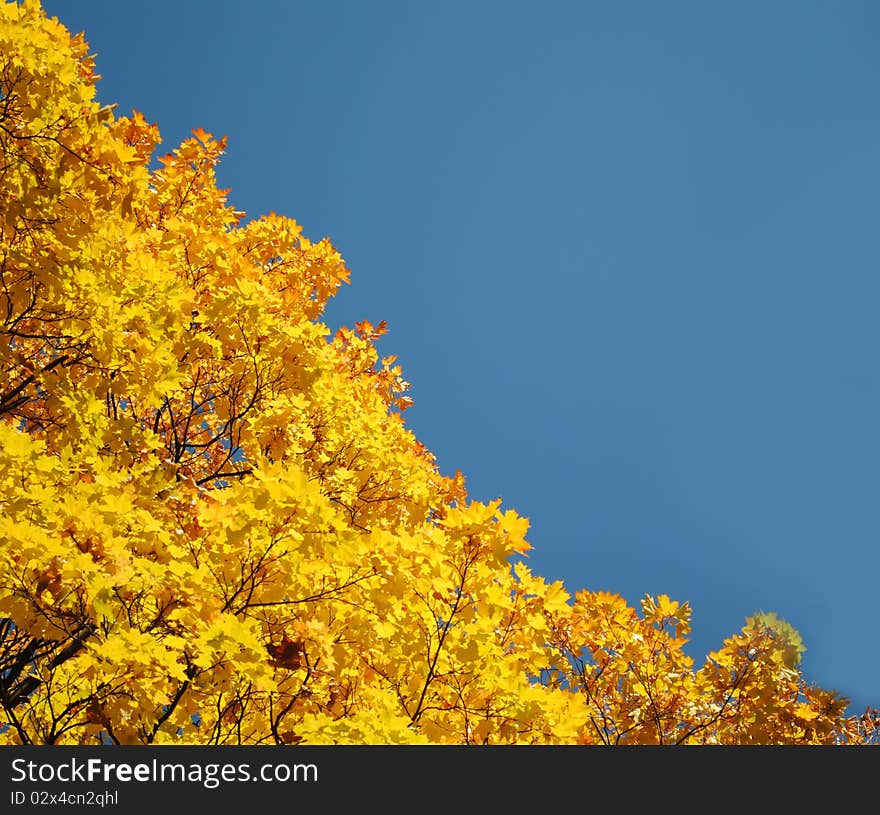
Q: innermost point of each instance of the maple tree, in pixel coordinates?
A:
(216, 527)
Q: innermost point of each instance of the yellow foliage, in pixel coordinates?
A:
(216, 526)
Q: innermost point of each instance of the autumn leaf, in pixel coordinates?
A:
(287, 654)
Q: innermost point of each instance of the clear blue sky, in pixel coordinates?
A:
(627, 253)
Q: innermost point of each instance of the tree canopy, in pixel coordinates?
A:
(216, 526)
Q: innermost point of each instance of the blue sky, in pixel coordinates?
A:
(627, 253)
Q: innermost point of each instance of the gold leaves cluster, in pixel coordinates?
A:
(216, 526)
